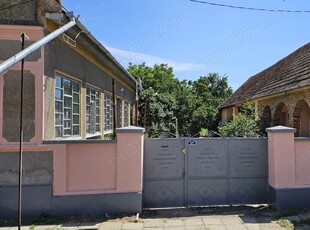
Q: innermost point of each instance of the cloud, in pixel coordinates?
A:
(125, 56)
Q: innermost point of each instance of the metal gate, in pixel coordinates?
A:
(202, 172)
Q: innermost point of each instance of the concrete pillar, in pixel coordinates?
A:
(130, 142)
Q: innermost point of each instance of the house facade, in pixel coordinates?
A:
(280, 93)
(75, 94)
(74, 88)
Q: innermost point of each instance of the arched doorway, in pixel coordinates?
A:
(280, 115)
(267, 117)
(301, 119)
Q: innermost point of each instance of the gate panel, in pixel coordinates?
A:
(163, 173)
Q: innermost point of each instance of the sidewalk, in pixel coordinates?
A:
(180, 219)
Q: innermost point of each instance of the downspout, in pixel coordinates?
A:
(114, 104)
(37, 45)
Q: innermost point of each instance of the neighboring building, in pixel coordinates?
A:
(74, 90)
(70, 83)
(280, 93)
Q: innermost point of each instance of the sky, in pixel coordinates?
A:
(197, 39)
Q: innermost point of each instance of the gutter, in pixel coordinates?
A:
(37, 45)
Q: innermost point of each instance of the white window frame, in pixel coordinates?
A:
(108, 113)
(92, 96)
(67, 118)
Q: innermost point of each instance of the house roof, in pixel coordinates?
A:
(290, 73)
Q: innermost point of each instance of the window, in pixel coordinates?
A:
(108, 112)
(119, 113)
(132, 116)
(92, 111)
(67, 107)
(126, 113)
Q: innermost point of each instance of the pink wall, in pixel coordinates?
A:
(35, 33)
(288, 159)
(96, 168)
(302, 162)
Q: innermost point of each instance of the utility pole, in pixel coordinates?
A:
(21, 135)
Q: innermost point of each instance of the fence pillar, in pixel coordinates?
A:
(281, 160)
(130, 142)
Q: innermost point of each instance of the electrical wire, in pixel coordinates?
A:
(250, 8)
(14, 5)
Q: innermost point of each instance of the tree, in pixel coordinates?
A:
(157, 102)
(210, 91)
(164, 99)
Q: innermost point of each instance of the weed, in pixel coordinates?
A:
(286, 224)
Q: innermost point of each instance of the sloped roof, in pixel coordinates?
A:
(290, 73)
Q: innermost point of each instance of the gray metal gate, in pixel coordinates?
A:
(202, 172)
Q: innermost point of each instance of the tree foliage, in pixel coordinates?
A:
(167, 102)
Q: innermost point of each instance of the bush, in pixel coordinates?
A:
(245, 124)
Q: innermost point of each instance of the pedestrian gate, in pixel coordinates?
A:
(203, 172)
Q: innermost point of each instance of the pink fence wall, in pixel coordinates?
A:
(97, 168)
(302, 162)
(289, 159)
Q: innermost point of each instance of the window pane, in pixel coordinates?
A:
(58, 94)
(67, 124)
(87, 128)
(87, 119)
(68, 86)
(58, 107)
(58, 82)
(97, 119)
(76, 119)
(76, 130)
(67, 114)
(87, 100)
(68, 102)
(88, 110)
(76, 98)
(58, 131)
(58, 119)
(97, 128)
(67, 132)
(76, 87)
(76, 108)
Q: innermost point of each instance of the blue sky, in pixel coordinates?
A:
(196, 39)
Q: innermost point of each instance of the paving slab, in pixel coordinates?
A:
(229, 220)
(200, 227)
(212, 221)
(111, 225)
(193, 222)
(216, 227)
(174, 223)
(158, 223)
(89, 226)
(132, 226)
(235, 227)
(45, 227)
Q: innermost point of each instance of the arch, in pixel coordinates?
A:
(280, 115)
(301, 119)
(267, 117)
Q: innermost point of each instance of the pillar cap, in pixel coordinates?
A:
(130, 129)
(280, 129)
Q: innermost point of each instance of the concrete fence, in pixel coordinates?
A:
(289, 171)
(94, 177)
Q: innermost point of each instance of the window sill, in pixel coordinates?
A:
(108, 132)
(92, 135)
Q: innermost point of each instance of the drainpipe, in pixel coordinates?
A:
(37, 45)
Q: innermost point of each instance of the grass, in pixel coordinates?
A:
(286, 224)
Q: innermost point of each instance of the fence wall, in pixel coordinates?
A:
(75, 177)
(289, 172)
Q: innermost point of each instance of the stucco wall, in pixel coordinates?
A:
(37, 168)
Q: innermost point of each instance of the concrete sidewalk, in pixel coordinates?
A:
(218, 222)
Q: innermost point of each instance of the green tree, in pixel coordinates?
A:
(210, 91)
(164, 99)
